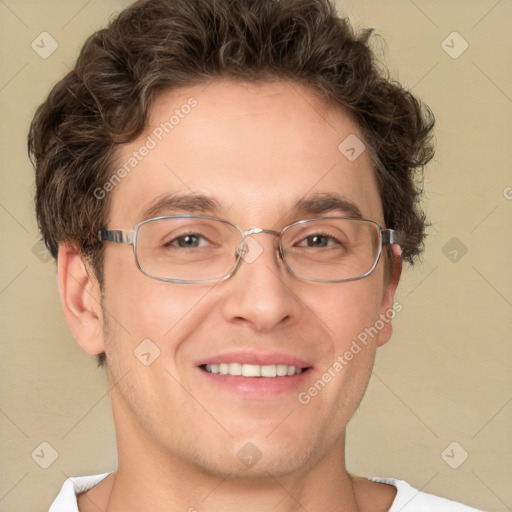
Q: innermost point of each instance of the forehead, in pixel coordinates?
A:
(257, 149)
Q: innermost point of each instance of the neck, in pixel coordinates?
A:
(135, 492)
(150, 478)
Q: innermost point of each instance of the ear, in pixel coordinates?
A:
(388, 307)
(80, 298)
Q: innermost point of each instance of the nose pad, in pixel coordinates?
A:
(280, 254)
(249, 250)
(240, 250)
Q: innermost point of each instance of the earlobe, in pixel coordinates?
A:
(389, 308)
(80, 298)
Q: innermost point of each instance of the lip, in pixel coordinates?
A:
(256, 357)
(257, 387)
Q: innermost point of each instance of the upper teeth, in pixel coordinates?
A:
(253, 370)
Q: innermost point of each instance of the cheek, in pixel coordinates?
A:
(349, 314)
(336, 390)
(139, 308)
(347, 309)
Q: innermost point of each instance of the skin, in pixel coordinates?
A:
(178, 436)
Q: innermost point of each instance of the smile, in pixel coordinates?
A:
(253, 370)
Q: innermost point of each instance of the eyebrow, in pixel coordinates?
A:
(191, 203)
(318, 204)
(327, 202)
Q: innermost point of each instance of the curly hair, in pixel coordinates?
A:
(158, 45)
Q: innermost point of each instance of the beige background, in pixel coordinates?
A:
(446, 375)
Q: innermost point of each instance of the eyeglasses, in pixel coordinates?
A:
(197, 249)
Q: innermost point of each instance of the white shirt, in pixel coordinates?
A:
(407, 498)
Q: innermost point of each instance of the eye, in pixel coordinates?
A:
(189, 240)
(318, 240)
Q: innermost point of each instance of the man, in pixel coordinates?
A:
(228, 188)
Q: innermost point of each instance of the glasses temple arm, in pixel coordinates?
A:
(390, 237)
(118, 236)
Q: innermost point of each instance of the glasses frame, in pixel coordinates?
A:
(122, 236)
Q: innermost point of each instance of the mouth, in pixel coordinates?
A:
(256, 375)
(267, 371)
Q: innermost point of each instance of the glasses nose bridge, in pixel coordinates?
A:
(255, 231)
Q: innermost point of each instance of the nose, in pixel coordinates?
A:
(260, 292)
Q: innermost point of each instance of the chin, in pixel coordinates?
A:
(253, 458)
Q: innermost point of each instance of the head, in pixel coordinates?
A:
(247, 104)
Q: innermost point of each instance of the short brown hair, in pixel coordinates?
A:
(157, 45)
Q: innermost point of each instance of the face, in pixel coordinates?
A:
(256, 150)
